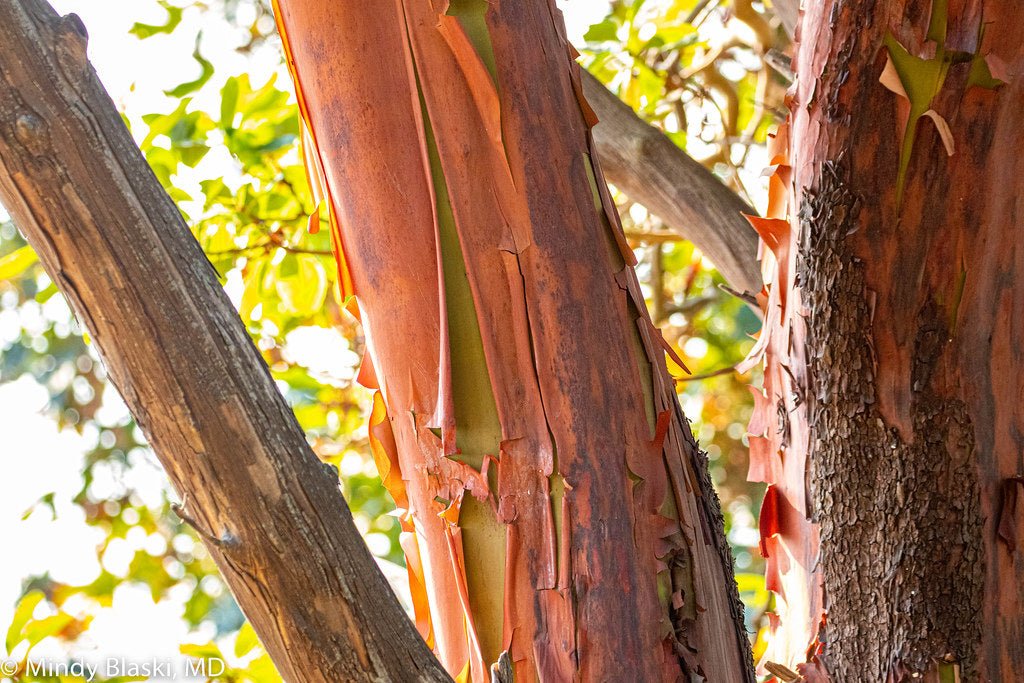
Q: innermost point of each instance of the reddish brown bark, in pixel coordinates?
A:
(513, 354)
(901, 339)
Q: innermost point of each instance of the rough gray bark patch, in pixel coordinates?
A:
(906, 514)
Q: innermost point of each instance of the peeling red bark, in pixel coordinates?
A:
(904, 352)
(614, 556)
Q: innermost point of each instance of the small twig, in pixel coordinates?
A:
(707, 375)
(269, 246)
(698, 11)
(691, 306)
(653, 237)
(781, 63)
(226, 540)
(742, 296)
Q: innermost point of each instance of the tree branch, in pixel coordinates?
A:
(641, 161)
(788, 12)
(115, 244)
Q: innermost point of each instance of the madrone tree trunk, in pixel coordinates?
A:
(891, 431)
(557, 514)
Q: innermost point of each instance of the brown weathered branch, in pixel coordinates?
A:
(113, 241)
(788, 12)
(642, 162)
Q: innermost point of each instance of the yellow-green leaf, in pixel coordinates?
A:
(22, 615)
(201, 651)
(140, 30)
(37, 631)
(301, 284)
(191, 86)
(17, 262)
(246, 640)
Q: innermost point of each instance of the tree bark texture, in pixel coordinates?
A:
(645, 164)
(113, 241)
(893, 423)
(557, 513)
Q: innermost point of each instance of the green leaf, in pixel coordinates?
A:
(17, 262)
(251, 291)
(601, 32)
(215, 191)
(147, 30)
(191, 86)
(22, 615)
(673, 37)
(197, 608)
(228, 103)
(262, 670)
(246, 640)
(207, 651)
(164, 163)
(289, 267)
(102, 589)
(37, 631)
(162, 124)
(634, 8)
(302, 284)
(43, 296)
(752, 588)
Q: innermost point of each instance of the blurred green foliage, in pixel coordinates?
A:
(688, 67)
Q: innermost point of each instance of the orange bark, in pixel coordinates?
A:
(455, 151)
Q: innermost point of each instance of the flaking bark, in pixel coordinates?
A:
(906, 354)
(469, 116)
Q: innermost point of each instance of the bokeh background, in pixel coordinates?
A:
(93, 563)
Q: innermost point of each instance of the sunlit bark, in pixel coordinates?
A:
(556, 511)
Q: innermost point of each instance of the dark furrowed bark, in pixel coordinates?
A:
(113, 241)
(911, 383)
